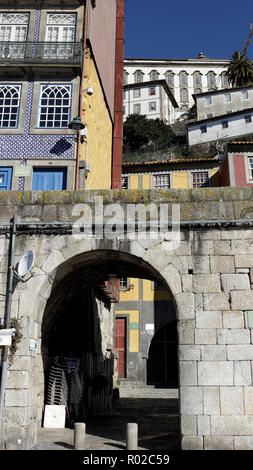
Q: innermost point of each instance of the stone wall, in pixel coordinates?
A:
(210, 278)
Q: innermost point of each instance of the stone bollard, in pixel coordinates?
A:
(132, 436)
(79, 436)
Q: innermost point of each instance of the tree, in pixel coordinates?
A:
(240, 70)
(140, 131)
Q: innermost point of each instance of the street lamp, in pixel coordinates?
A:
(77, 125)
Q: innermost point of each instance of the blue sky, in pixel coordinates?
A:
(181, 29)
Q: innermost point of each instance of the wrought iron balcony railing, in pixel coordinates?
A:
(40, 53)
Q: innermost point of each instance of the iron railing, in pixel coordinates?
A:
(40, 53)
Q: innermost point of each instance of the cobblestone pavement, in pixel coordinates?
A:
(155, 413)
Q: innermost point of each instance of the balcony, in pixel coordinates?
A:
(41, 53)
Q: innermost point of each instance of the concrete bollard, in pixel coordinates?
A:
(132, 436)
(79, 436)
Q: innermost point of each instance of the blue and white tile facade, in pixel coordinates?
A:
(36, 146)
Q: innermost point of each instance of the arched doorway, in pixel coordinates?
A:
(78, 330)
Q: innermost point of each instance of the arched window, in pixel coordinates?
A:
(197, 90)
(9, 105)
(138, 76)
(125, 77)
(211, 80)
(183, 78)
(184, 95)
(169, 77)
(197, 79)
(54, 108)
(224, 80)
(154, 75)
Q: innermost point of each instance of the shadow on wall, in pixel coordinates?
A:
(60, 147)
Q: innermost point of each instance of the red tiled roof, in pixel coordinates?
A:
(178, 160)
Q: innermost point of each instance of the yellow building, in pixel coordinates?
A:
(175, 174)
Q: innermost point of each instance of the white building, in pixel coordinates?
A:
(153, 98)
(219, 102)
(185, 77)
(221, 127)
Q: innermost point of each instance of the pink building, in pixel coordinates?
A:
(237, 165)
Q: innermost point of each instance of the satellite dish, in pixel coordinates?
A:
(26, 263)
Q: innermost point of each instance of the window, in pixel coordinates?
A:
(54, 107)
(247, 119)
(61, 27)
(125, 77)
(137, 93)
(169, 76)
(197, 90)
(124, 283)
(184, 95)
(203, 129)
(137, 108)
(211, 80)
(13, 29)
(152, 90)
(124, 110)
(162, 181)
(200, 179)
(209, 115)
(138, 76)
(9, 105)
(124, 182)
(244, 95)
(49, 179)
(227, 97)
(224, 80)
(224, 124)
(152, 106)
(208, 100)
(197, 79)
(5, 178)
(183, 80)
(250, 160)
(154, 75)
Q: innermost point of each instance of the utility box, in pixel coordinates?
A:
(55, 416)
(6, 336)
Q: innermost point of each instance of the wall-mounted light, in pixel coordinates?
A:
(76, 124)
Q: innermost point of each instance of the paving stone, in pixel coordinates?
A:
(241, 300)
(233, 336)
(188, 425)
(231, 400)
(215, 373)
(222, 264)
(231, 282)
(233, 319)
(219, 301)
(204, 425)
(218, 443)
(242, 373)
(208, 319)
(191, 400)
(206, 283)
(205, 336)
(248, 397)
(211, 400)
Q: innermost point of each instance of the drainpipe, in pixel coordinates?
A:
(7, 319)
(81, 95)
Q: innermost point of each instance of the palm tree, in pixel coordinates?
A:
(240, 69)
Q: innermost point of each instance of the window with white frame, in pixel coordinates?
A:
(137, 108)
(125, 77)
(154, 75)
(152, 106)
(9, 105)
(169, 76)
(54, 106)
(224, 80)
(197, 79)
(183, 79)
(138, 76)
(227, 97)
(13, 26)
(244, 95)
(124, 283)
(152, 90)
(200, 179)
(137, 93)
(211, 80)
(250, 160)
(184, 95)
(61, 27)
(203, 129)
(124, 182)
(162, 181)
